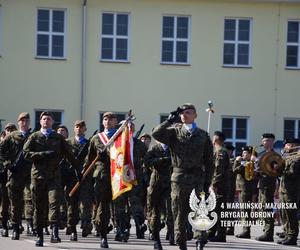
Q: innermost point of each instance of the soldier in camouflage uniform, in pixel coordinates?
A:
(46, 148)
(247, 186)
(289, 192)
(11, 155)
(220, 184)
(231, 182)
(192, 160)
(101, 174)
(9, 128)
(158, 159)
(266, 188)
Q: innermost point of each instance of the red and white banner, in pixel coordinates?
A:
(121, 163)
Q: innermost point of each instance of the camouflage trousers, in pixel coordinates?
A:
(121, 214)
(267, 196)
(246, 196)
(289, 216)
(86, 199)
(19, 194)
(4, 202)
(46, 196)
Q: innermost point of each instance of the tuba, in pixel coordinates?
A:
(272, 164)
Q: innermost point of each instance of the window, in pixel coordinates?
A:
(237, 42)
(58, 118)
(115, 37)
(291, 128)
(236, 132)
(51, 33)
(175, 40)
(293, 45)
(120, 117)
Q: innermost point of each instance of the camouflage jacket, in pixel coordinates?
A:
(239, 168)
(191, 153)
(76, 148)
(37, 148)
(290, 178)
(220, 177)
(10, 152)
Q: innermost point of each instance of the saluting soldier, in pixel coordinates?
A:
(266, 190)
(101, 174)
(158, 160)
(192, 160)
(9, 128)
(247, 186)
(219, 184)
(289, 192)
(11, 154)
(46, 148)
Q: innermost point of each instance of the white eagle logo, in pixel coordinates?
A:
(199, 219)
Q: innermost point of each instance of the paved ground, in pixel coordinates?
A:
(92, 243)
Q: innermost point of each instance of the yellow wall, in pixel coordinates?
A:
(145, 85)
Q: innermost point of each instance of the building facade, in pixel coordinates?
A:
(80, 58)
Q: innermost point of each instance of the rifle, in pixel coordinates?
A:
(88, 169)
(20, 157)
(138, 133)
(84, 150)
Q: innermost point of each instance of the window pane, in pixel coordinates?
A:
(43, 45)
(168, 26)
(181, 53)
(241, 128)
(238, 148)
(227, 126)
(292, 56)
(107, 24)
(293, 32)
(58, 46)
(244, 30)
(167, 51)
(243, 54)
(228, 53)
(289, 129)
(43, 20)
(182, 27)
(107, 48)
(229, 33)
(58, 21)
(122, 24)
(121, 52)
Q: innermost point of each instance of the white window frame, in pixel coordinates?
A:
(174, 39)
(293, 44)
(297, 127)
(114, 36)
(1, 30)
(50, 34)
(236, 42)
(234, 140)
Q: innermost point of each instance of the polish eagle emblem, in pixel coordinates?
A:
(198, 218)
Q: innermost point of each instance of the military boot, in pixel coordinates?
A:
(265, 237)
(46, 231)
(140, 231)
(16, 232)
(4, 232)
(104, 243)
(182, 246)
(55, 235)
(171, 238)
(157, 243)
(281, 235)
(244, 235)
(118, 236)
(86, 228)
(230, 231)
(289, 242)
(29, 229)
(40, 237)
(74, 234)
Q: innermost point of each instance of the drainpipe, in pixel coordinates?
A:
(276, 71)
(83, 61)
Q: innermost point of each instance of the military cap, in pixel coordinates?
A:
(109, 115)
(10, 126)
(79, 123)
(46, 113)
(145, 135)
(268, 135)
(291, 140)
(229, 146)
(186, 106)
(247, 148)
(220, 134)
(23, 115)
(62, 126)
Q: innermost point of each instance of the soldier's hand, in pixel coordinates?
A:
(174, 115)
(239, 158)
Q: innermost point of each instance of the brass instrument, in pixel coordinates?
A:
(249, 167)
(272, 164)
